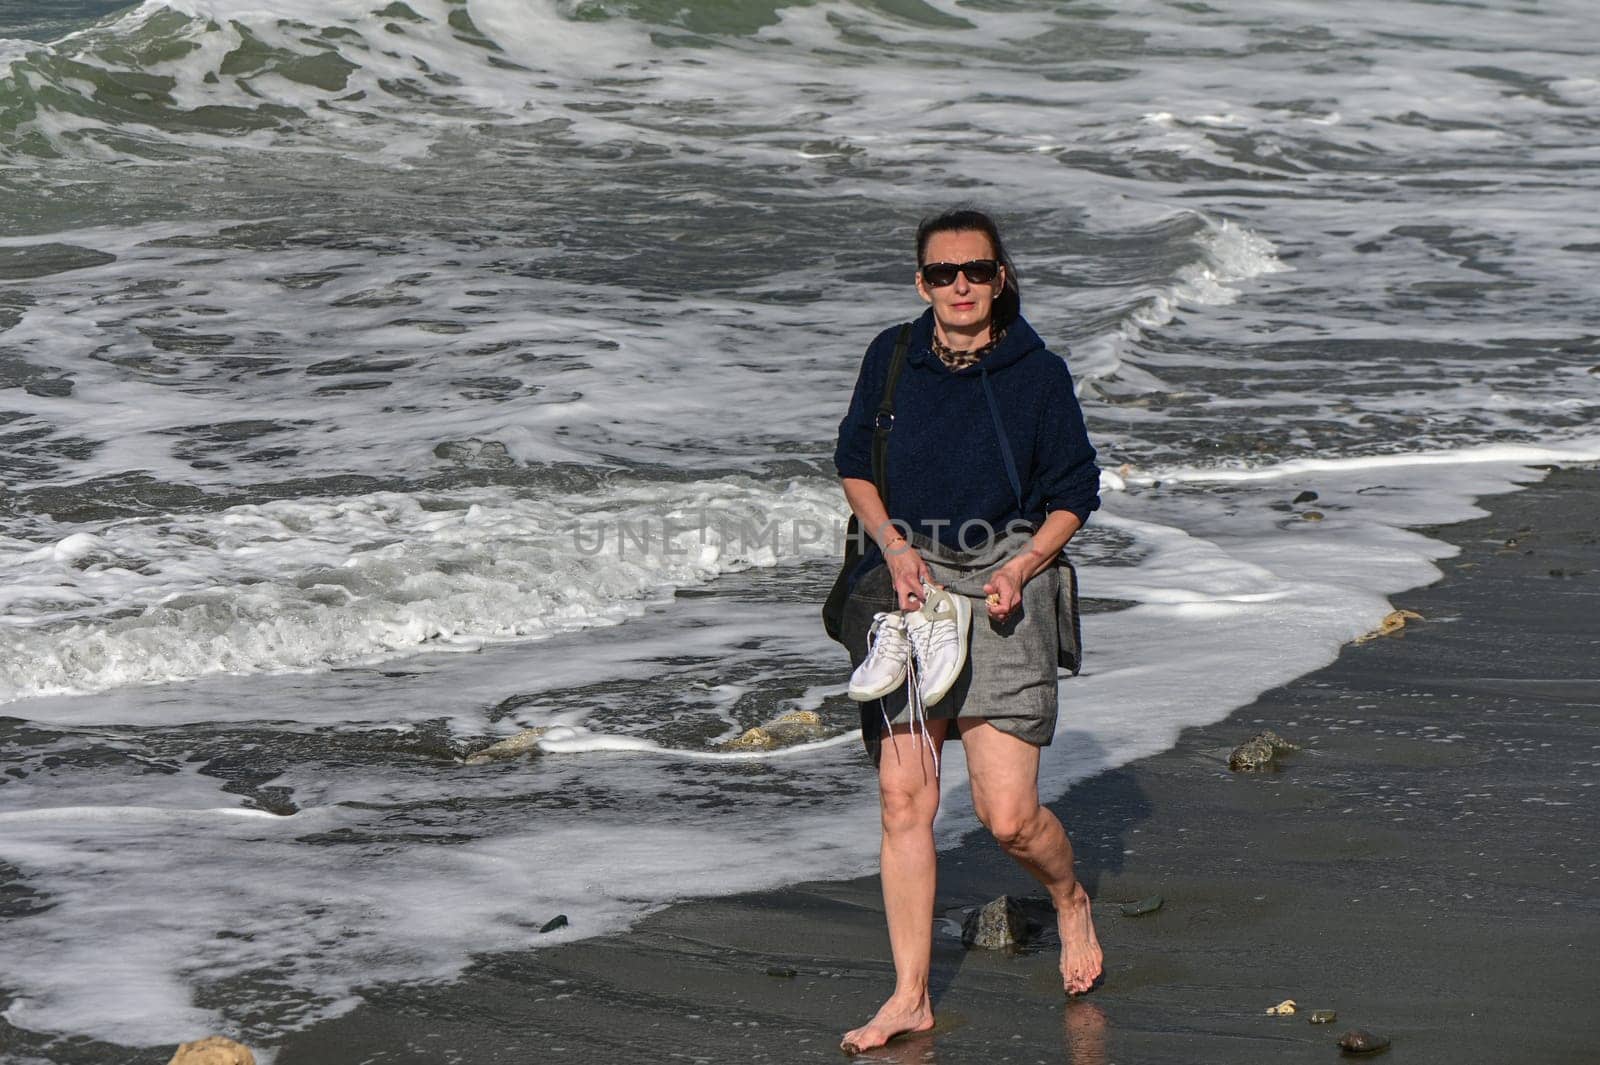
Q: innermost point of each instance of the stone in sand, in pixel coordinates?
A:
(997, 924)
(524, 742)
(558, 921)
(1143, 906)
(785, 730)
(1391, 625)
(1251, 755)
(754, 739)
(1322, 1017)
(1282, 1009)
(1361, 1041)
(213, 1050)
(1307, 496)
(1312, 515)
(1259, 752)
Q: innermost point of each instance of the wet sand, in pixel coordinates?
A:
(1426, 866)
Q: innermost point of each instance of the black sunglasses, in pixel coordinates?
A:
(978, 271)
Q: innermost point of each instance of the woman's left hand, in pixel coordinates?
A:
(1004, 592)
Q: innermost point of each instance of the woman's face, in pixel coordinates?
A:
(961, 307)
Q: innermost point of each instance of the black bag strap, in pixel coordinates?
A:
(1069, 638)
(883, 420)
(1005, 445)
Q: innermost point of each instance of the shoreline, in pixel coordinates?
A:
(1413, 868)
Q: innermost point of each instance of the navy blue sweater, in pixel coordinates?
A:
(945, 464)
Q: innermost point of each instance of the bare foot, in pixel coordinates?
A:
(894, 1018)
(1081, 959)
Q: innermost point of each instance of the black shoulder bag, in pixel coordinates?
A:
(883, 421)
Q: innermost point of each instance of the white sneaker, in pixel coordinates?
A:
(884, 668)
(938, 635)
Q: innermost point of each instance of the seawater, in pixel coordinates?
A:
(378, 381)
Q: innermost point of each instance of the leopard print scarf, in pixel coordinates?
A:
(960, 360)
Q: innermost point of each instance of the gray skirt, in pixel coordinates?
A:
(1010, 676)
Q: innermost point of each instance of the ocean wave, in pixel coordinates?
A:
(1226, 254)
(305, 584)
(200, 73)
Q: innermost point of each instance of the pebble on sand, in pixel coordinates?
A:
(213, 1050)
(1143, 906)
(1391, 625)
(524, 742)
(1361, 1041)
(558, 921)
(1307, 496)
(782, 972)
(785, 730)
(1312, 515)
(1250, 756)
(997, 924)
(1259, 751)
(751, 739)
(1322, 1017)
(1282, 1009)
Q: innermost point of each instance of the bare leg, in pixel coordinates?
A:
(908, 792)
(1005, 790)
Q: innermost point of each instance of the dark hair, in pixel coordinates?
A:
(1007, 305)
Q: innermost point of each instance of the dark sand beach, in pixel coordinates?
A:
(1426, 867)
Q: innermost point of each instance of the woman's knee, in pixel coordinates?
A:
(1013, 825)
(908, 808)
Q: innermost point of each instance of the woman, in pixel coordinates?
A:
(986, 438)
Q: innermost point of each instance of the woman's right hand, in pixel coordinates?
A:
(909, 573)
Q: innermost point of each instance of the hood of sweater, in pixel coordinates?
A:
(1019, 342)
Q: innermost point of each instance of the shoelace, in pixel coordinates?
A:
(893, 652)
(919, 713)
(921, 641)
(928, 638)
